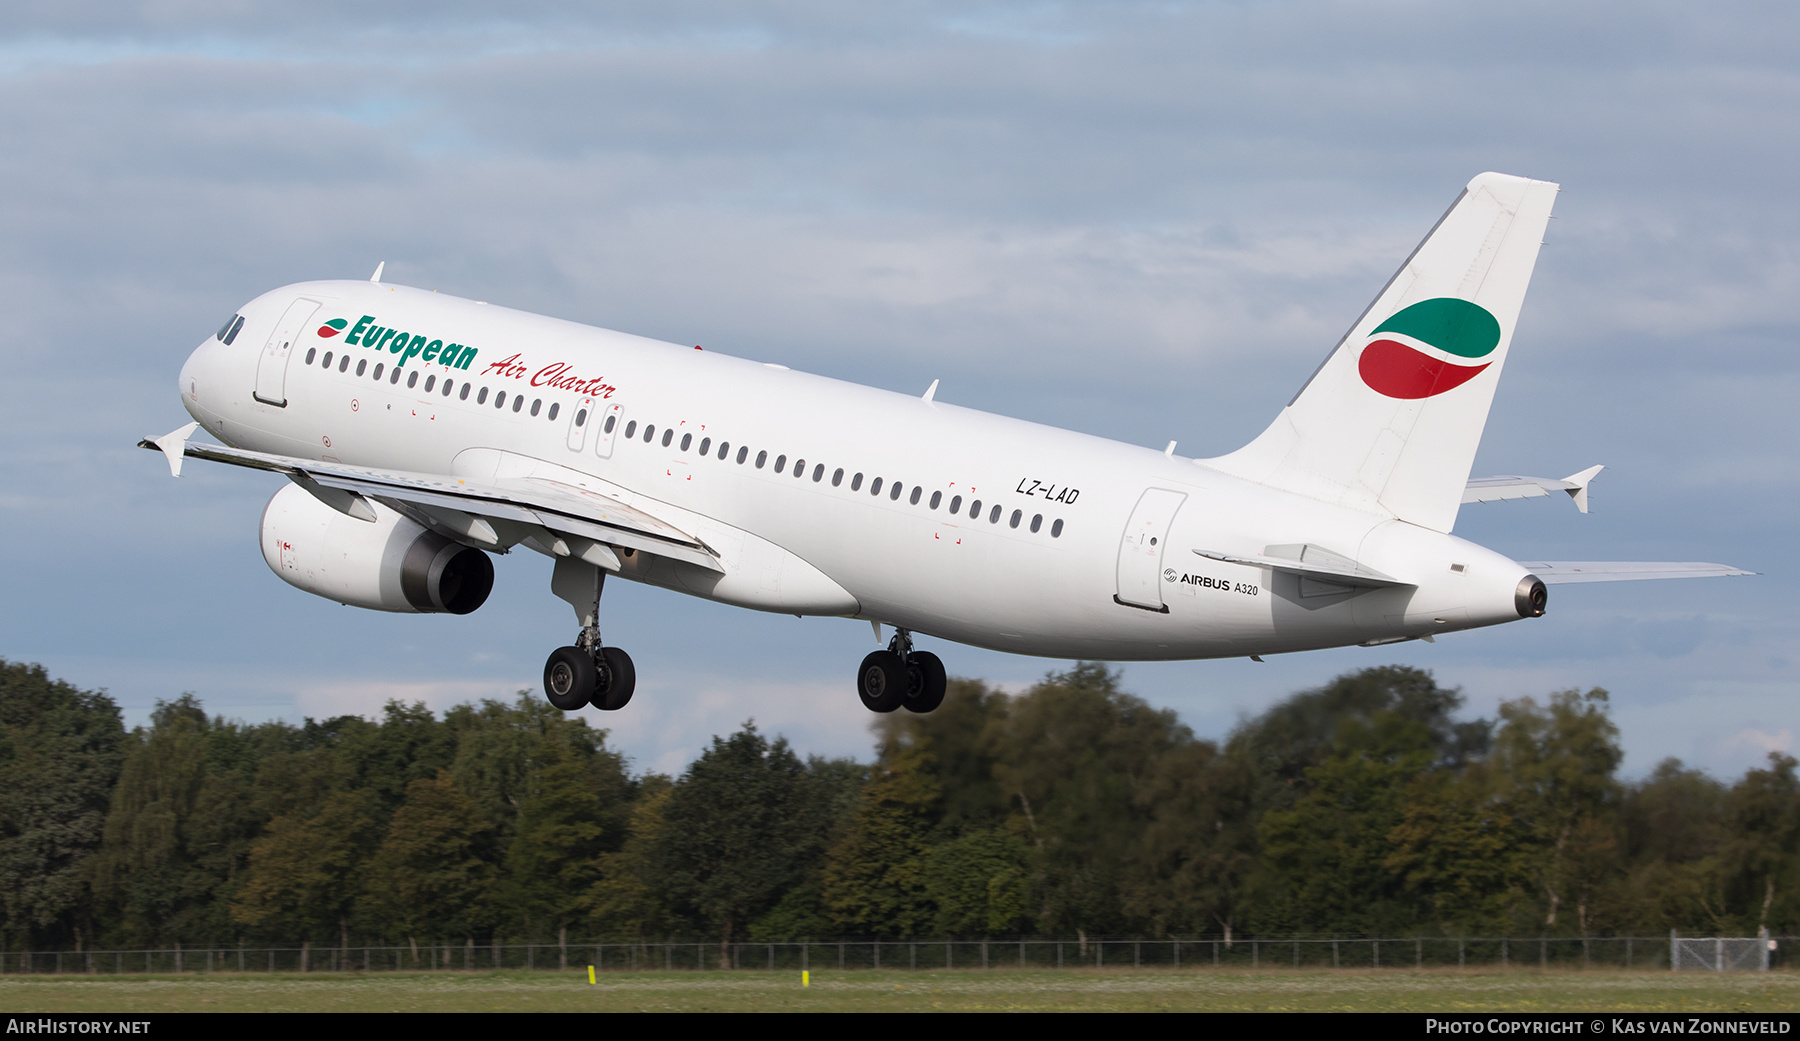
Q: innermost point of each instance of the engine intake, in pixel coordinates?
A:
(388, 564)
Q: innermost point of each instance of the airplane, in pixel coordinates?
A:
(422, 434)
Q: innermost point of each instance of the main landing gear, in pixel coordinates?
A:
(588, 673)
(901, 677)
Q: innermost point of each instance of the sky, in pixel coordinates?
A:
(1145, 221)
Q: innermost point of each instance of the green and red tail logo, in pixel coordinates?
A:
(1421, 351)
(332, 328)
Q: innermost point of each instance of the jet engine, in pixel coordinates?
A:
(387, 564)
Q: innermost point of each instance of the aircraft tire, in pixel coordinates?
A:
(617, 680)
(925, 682)
(569, 678)
(881, 681)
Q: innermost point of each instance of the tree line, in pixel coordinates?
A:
(1367, 806)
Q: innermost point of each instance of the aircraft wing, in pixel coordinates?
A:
(466, 505)
(1566, 572)
(1494, 489)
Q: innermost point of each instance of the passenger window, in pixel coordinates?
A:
(994, 517)
(895, 494)
(1056, 529)
(1037, 521)
(686, 440)
(955, 504)
(327, 362)
(518, 400)
(724, 450)
(915, 495)
(536, 403)
(705, 447)
(500, 399)
(464, 396)
(837, 477)
(856, 483)
(668, 436)
(362, 366)
(1014, 521)
(311, 353)
(799, 468)
(412, 379)
(761, 458)
(975, 510)
(875, 486)
(607, 427)
(936, 497)
(631, 430)
(394, 377)
(581, 417)
(344, 365)
(450, 385)
(780, 463)
(378, 367)
(743, 453)
(818, 473)
(555, 406)
(430, 383)
(481, 398)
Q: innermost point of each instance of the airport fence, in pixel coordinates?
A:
(1720, 954)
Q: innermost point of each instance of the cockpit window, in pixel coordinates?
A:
(223, 329)
(231, 329)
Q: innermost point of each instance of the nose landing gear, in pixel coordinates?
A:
(901, 677)
(587, 673)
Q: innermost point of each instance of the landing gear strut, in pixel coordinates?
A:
(901, 677)
(587, 673)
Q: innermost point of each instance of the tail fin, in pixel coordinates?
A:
(1390, 422)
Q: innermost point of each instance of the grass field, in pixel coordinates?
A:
(1121, 990)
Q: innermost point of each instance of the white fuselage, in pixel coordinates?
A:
(1100, 562)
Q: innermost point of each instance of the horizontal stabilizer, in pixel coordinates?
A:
(447, 500)
(1494, 489)
(1568, 572)
(1310, 562)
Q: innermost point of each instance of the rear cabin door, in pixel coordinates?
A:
(1141, 550)
(271, 368)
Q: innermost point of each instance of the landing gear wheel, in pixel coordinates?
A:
(881, 681)
(569, 678)
(925, 682)
(618, 678)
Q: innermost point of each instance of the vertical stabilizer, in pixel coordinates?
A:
(1390, 422)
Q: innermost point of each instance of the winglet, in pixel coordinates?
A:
(1580, 492)
(931, 391)
(376, 277)
(172, 445)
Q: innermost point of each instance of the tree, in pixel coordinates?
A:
(1553, 765)
(743, 826)
(1762, 816)
(60, 754)
(432, 871)
(304, 871)
(875, 880)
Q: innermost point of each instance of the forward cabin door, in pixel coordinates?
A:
(271, 368)
(1141, 550)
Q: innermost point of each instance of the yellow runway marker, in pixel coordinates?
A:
(590, 974)
(805, 978)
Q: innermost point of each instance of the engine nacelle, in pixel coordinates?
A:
(388, 564)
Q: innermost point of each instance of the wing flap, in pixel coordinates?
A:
(557, 507)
